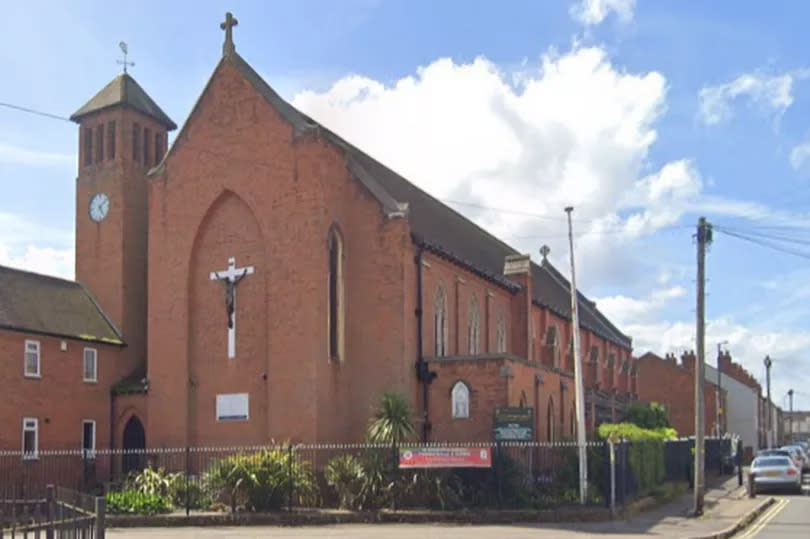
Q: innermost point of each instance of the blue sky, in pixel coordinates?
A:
(644, 115)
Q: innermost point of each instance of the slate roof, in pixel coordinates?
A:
(46, 305)
(123, 90)
(434, 224)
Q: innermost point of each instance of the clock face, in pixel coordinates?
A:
(99, 206)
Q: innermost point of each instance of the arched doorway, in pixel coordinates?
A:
(134, 443)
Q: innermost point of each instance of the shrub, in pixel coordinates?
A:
(153, 481)
(137, 503)
(345, 475)
(261, 481)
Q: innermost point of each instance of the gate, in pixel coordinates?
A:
(63, 514)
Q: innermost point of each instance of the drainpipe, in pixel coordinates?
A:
(423, 373)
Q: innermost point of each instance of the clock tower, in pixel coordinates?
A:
(122, 135)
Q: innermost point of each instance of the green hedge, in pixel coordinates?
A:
(646, 451)
(137, 503)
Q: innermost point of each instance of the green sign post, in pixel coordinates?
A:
(514, 424)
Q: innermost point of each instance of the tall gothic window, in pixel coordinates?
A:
(550, 430)
(500, 334)
(475, 325)
(460, 400)
(553, 345)
(595, 360)
(336, 295)
(440, 323)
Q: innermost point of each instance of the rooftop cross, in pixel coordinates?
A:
(545, 250)
(228, 47)
(125, 50)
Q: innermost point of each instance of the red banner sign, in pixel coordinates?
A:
(445, 457)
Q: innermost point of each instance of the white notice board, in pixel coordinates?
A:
(233, 407)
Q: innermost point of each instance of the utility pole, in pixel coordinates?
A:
(790, 394)
(704, 237)
(769, 433)
(579, 391)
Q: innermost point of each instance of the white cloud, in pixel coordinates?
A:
(592, 12)
(575, 131)
(771, 93)
(33, 247)
(645, 319)
(799, 154)
(23, 156)
(624, 310)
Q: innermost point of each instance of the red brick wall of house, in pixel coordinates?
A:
(665, 381)
(59, 399)
(238, 184)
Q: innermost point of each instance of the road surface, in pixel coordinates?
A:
(788, 519)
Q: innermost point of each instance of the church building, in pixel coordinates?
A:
(261, 279)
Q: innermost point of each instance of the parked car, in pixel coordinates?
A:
(775, 453)
(773, 472)
(798, 455)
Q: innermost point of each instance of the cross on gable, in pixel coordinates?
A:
(228, 47)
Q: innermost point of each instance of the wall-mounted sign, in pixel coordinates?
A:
(514, 424)
(445, 457)
(233, 407)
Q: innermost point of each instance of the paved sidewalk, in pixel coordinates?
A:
(725, 505)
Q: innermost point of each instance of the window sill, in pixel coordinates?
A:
(87, 381)
(33, 376)
(30, 457)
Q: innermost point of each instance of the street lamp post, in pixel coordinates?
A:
(768, 364)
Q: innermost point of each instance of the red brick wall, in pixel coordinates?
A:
(666, 382)
(60, 399)
(281, 196)
(111, 255)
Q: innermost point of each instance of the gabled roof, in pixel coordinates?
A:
(123, 90)
(44, 305)
(433, 224)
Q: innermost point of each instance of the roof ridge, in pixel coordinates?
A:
(39, 275)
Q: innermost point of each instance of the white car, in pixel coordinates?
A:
(776, 472)
(799, 456)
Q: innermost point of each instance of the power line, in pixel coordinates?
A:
(763, 243)
(774, 237)
(34, 111)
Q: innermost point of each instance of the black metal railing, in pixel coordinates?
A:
(358, 476)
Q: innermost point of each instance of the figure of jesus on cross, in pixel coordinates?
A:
(230, 277)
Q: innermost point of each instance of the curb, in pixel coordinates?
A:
(742, 523)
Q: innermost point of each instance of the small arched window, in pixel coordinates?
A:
(553, 345)
(336, 295)
(440, 323)
(500, 334)
(474, 333)
(460, 400)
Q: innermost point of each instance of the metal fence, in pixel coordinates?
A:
(62, 513)
(520, 474)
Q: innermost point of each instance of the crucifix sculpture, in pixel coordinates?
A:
(230, 278)
(228, 47)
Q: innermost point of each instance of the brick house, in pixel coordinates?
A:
(672, 384)
(61, 356)
(271, 281)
